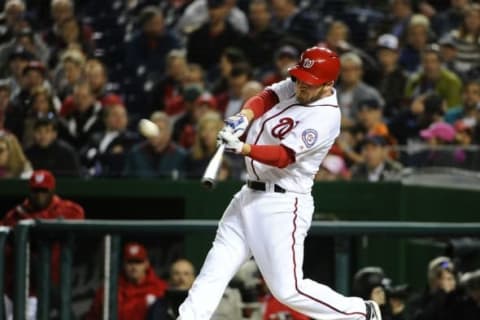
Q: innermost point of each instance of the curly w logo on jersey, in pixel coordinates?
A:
(284, 126)
(309, 137)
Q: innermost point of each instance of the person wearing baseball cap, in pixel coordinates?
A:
(377, 165)
(41, 203)
(392, 79)
(138, 286)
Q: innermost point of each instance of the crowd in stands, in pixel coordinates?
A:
(77, 76)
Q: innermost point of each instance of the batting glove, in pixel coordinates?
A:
(231, 142)
(237, 123)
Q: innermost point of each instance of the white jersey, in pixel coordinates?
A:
(309, 130)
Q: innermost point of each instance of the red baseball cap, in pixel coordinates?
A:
(134, 251)
(42, 179)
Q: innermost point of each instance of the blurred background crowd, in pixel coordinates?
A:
(77, 76)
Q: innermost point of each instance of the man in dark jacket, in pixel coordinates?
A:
(50, 153)
(376, 166)
(106, 151)
(158, 156)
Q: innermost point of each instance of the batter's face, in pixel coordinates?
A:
(306, 93)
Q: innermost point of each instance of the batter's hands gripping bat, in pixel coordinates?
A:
(210, 175)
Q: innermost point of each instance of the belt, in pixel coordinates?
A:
(262, 186)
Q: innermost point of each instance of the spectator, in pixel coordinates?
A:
(106, 151)
(468, 308)
(377, 166)
(333, 168)
(206, 44)
(441, 134)
(432, 303)
(263, 38)
(397, 299)
(230, 57)
(10, 117)
(448, 53)
(95, 74)
(392, 80)
(34, 75)
(416, 42)
(467, 40)
(97, 77)
(42, 105)
(351, 88)
(166, 94)
(401, 12)
(28, 40)
(185, 128)
(451, 18)
(11, 19)
(196, 14)
(148, 48)
(370, 116)
(65, 31)
(434, 77)
(424, 110)
(18, 59)
(205, 144)
(13, 163)
(182, 274)
(231, 102)
(285, 57)
(70, 71)
(159, 156)
(337, 39)
(41, 203)
(50, 153)
(85, 119)
(466, 113)
(71, 37)
(369, 284)
(295, 23)
(138, 286)
(250, 89)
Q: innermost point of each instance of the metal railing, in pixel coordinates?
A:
(3, 239)
(113, 230)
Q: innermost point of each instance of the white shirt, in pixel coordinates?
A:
(309, 130)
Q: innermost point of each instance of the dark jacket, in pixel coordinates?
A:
(59, 158)
(77, 128)
(110, 161)
(392, 87)
(205, 49)
(143, 161)
(390, 171)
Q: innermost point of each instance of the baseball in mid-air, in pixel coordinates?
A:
(148, 128)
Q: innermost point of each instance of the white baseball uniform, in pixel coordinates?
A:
(272, 226)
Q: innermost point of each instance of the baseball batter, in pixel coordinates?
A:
(291, 126)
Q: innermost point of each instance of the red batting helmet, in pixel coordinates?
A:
(317, 66)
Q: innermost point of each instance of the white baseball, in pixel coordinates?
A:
(148, 129)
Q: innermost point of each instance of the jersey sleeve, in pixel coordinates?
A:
(313, 134)
(284, 89)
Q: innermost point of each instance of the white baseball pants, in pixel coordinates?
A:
(272, 227)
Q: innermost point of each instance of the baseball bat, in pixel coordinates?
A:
(210, 175)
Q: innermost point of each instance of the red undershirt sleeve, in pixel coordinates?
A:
(262, 102)
(273, 155)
